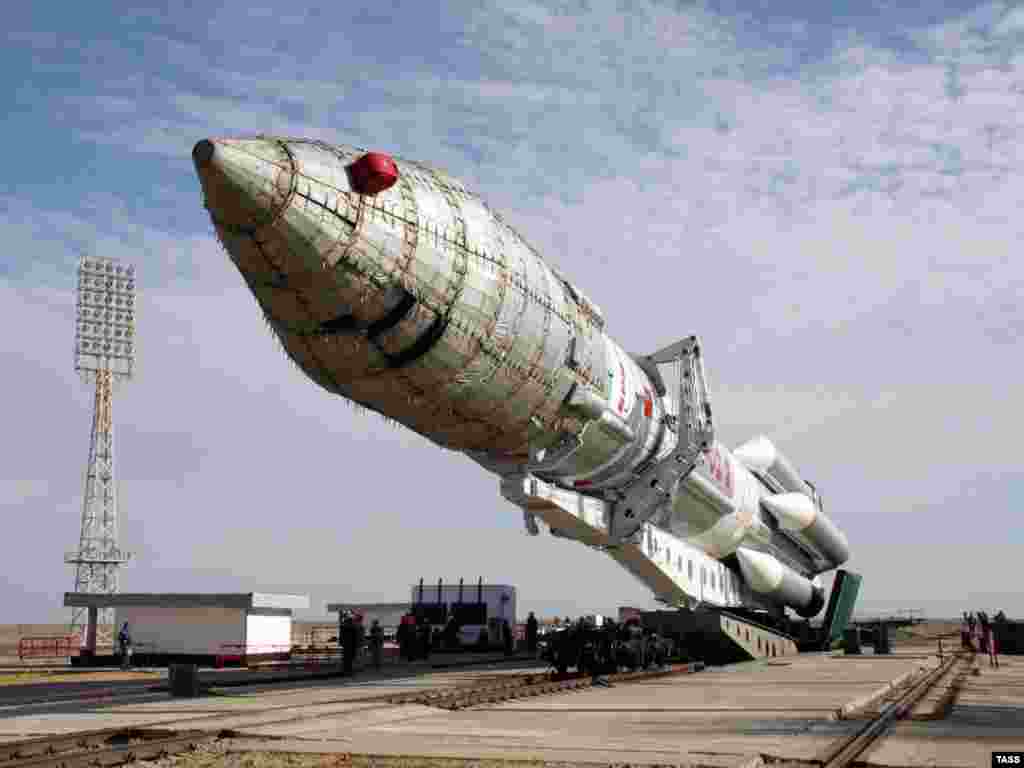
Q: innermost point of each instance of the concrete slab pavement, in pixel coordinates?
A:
(761, 708)
(727, 717)
(987, 715)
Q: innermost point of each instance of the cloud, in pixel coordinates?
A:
(49, 242)
(831, 204)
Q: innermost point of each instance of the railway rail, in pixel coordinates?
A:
(116, 746)
(107, 747)
(532, 685)
(846, 750)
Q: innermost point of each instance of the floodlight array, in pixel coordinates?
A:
(105, 328)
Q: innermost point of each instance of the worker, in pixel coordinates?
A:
(451, 634)
(360, 633)
(653, 651)
(531, 634)
(376, 643)
(400, 637)
(506, 633)
(423, 636)
(623, 655)
(566, 652)
(993, 647)
(587, 651)
(636, 643)
(124, 642)
(609, 659)
(349, 639)
(988, 639)
(406, 639)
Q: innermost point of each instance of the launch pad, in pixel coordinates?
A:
(751, 714)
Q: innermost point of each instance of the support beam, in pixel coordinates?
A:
(89, 639)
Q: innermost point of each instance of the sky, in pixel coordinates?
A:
(825, 193)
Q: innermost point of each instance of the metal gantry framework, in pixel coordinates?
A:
(104, 356)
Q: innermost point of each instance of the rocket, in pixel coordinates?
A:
(391, 284)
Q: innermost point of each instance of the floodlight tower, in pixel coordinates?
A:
(104, 356)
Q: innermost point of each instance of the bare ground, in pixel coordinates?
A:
(217, 755)
(30, 676)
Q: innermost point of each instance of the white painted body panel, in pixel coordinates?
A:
(676, 571)
(268, 634)
(204, 631)
(718, 509)
(183, 630)
(795, 511)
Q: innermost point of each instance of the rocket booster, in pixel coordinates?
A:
(800, 514)
(392, 285)
(799, 508)
(768, 576)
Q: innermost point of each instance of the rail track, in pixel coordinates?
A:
(849, 748)
(116, 746)
(532, 685)
(107, 747)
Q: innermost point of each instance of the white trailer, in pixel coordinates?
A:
(222, 626)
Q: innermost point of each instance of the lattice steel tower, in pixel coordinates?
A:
(104, 355)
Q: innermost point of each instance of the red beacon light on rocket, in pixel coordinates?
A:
(372, 173)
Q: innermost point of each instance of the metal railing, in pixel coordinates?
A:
(241, 652)
(49, 646)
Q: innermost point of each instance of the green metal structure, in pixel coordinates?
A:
(840, 606)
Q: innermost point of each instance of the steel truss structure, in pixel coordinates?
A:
(104, 356)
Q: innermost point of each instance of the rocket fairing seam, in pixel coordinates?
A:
(321, 367)
(410, 230)
(394, 362)
(531, 373)
(275, 215)
(514, 277)
(380, 283)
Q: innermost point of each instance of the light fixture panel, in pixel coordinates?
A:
(105, 321)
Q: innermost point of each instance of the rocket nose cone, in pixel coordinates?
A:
(795, 511)
(247, 183)
(762, 571)
(758, 453)
(202, 153)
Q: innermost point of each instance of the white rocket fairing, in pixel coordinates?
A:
(391, 284)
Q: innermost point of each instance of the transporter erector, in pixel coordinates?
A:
(389, 283)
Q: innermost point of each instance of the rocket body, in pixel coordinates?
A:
(419, 302)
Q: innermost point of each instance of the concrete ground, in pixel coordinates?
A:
(55, 685)
(784, 709)
(987, 715)
(36, 716)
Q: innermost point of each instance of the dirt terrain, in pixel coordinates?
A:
(106, 676)
(216, 756)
